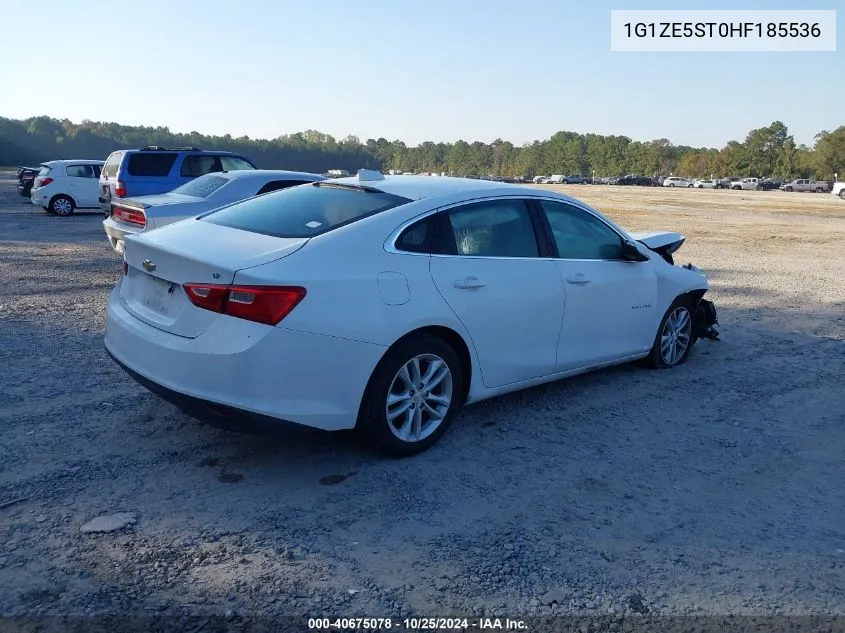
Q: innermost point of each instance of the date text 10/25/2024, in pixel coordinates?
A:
(417, 624)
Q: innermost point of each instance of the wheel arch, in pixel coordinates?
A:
(444, 333)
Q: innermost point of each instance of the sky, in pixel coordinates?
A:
(437, 70)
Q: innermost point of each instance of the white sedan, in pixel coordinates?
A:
(705, 184)
(129, 216)
(386, 303)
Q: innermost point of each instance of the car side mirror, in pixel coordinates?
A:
(631, 253)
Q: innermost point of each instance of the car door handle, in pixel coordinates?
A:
(469, 282)
(578, 280)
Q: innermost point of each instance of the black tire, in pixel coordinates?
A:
(690, 186)
(842, 194)
(372, 418)
(62, 205)
(788, 189)
(699, 186)
(656, 359)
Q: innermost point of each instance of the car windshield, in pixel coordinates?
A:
(305, 210)
(202, 187)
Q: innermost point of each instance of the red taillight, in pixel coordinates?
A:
(119, 189)
(130, 216)
(44, 182)
(262, 304)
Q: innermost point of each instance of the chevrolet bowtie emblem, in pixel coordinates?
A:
(148, 265)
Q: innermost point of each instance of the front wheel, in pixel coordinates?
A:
(842, 194)
(62, 205)
(674, 339)
(412, 397)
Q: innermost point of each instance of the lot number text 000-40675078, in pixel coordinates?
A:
(720, 31)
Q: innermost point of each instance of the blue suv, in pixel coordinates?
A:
(151, 170)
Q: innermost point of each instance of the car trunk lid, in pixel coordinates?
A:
(191, 251)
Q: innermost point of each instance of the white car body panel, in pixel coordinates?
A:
(526, 325)
(838, 189)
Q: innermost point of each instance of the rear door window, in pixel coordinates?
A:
(80, 171)
(151, 163)
(196, 165)
(495, 228)
(235, 163)
(304, 211)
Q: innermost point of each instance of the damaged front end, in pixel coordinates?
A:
(666, 244)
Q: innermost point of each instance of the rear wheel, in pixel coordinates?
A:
(412, 397)
(689, 186)
(820, 190)
(62, 205)
(674, 339)
(787, 188)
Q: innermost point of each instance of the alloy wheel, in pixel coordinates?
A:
(62, 206)
(676, 335)
(419, 397)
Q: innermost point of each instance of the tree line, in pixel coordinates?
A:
(765, 152)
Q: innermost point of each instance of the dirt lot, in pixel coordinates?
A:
(715, 488)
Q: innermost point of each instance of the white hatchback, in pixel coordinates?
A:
(386, 303)
(62, 186)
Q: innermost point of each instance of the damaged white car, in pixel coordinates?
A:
(386, 303)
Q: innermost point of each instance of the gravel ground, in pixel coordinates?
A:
(714, 488)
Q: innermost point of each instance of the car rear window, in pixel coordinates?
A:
(112, 164)
(202, 187)
(151, 163)
(304, 211)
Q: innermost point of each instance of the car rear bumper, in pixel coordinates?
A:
(256, 372)
(116, 232)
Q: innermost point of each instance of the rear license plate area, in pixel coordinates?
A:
(156, 295)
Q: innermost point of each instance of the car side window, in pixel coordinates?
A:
(418, 237)
(80, 171)
(234, 163)
(579, 234)
(196, 165)
(494, 228)
(275, 185)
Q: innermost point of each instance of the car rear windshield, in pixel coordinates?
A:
(304, 211)
(151, 163)
(112, 164)
(201, 187)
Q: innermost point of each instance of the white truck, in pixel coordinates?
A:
(557, 179)
(746, 184)
(805, 184)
